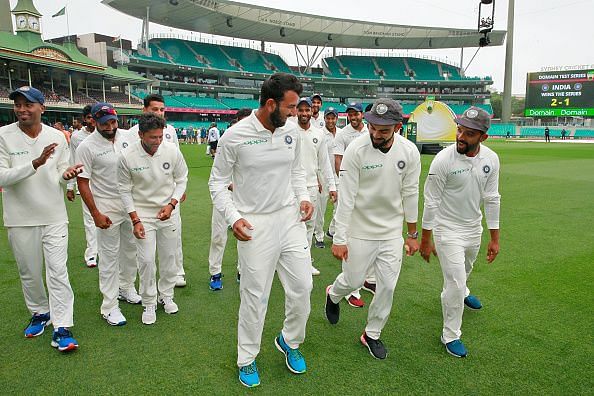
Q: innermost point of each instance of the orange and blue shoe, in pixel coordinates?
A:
(63, 340)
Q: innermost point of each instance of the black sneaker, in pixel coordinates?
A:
(320, 244)
(376, 347)
(332, 309)
(370, 287)
(329, 235)
(238, 277)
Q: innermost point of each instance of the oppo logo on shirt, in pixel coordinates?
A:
(18, 153)
(459, 171)
(139, 169)
(255, 141)
(372, 167)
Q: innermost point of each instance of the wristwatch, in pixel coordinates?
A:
(413, 235)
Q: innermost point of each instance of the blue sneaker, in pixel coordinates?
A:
(248, 375)
(293, 358)
(455, 348)
(216, 283)
(473, 302)
(63, 340)
(37, 325)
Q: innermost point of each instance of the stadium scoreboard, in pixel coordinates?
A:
(560, 94)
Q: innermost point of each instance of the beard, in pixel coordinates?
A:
(466, 148)
(382, 144)
(276, 119)
(149, 148)
(109, 134)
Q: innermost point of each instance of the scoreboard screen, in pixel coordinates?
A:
(560, 94)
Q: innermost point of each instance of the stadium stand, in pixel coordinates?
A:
(233, 103)
(423, 69)
(359, 67)
(584, 134)
(393, 68)
(502, 130)
(333, 67)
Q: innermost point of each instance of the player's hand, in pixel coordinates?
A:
(230, 187)
(101, 221)
(241, 230)
(72, 172)
(411, 246)
(333, 196)
(45, 154)
(165, 212)
(492, 251)
(341, 252)
(319, 187)
(183, 198)
(70, 195)
(306, 208)
(138, 230)
(426, 249)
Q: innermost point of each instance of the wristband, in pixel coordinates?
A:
(413, 235)
(134, 222)
(172, 205)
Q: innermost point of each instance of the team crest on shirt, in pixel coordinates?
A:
(125, 144)
(486, 169)
(167, 136)
(288, 139)
(315, 140)
(166, 165)
(401, 164)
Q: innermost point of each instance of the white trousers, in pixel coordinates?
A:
(161, 237)
(90, 233)
(30, 246)
(278, 244)
(385, 257)
(314, 195)
(456, 258)
(179, 254)
(218, 241)
(323, 198)
(117, 267)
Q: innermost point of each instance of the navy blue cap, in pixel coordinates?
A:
(331, 110)
(305, 100)
(355, 106)
(317, 96)
(103, 112)
(32, 95)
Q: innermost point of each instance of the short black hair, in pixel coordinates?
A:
(86, 110)
(276, 86)
(149, 121)
(153, 98)
(242, 113)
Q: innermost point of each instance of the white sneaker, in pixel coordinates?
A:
(149, 316)
(115, 317)
(130, 296)
(169, 305)
(315, 271)
(92, 262)
(180, 281)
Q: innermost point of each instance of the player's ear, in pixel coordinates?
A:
(484, 137)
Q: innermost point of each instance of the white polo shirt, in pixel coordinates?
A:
(378, 191)
(32, 197)
(455, 187)
(265, 168)
(169, 134)
(146, 183)
(329, 139)
(213, 135)
(77, 137)
(314, 157)
(99, 157)
(345, 137)
(319, 122)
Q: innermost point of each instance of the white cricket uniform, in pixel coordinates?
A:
(454, 189)
(169, 135)
(90, 230)
(341, 141)
(35, 215)
(115, 244)
(319, 122)
(378, 191)
(268, 184)
(147, 183)
(315, 160)
(325, 194)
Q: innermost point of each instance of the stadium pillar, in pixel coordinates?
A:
(29, 74)
(9, 77)
(509, 50)
(462, 61)
(103, 84)
(70, 86)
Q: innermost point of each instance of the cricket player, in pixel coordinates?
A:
(330, 130)
(315, 160)
(152, 178)
(90, 230)
(379, 190)
(268, 208)
(98, 188)
(460, 178)
(317, 118)
(213, 138)
(34, 164)
(155, 103)
(218, 233)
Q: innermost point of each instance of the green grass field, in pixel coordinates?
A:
(535, 334)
